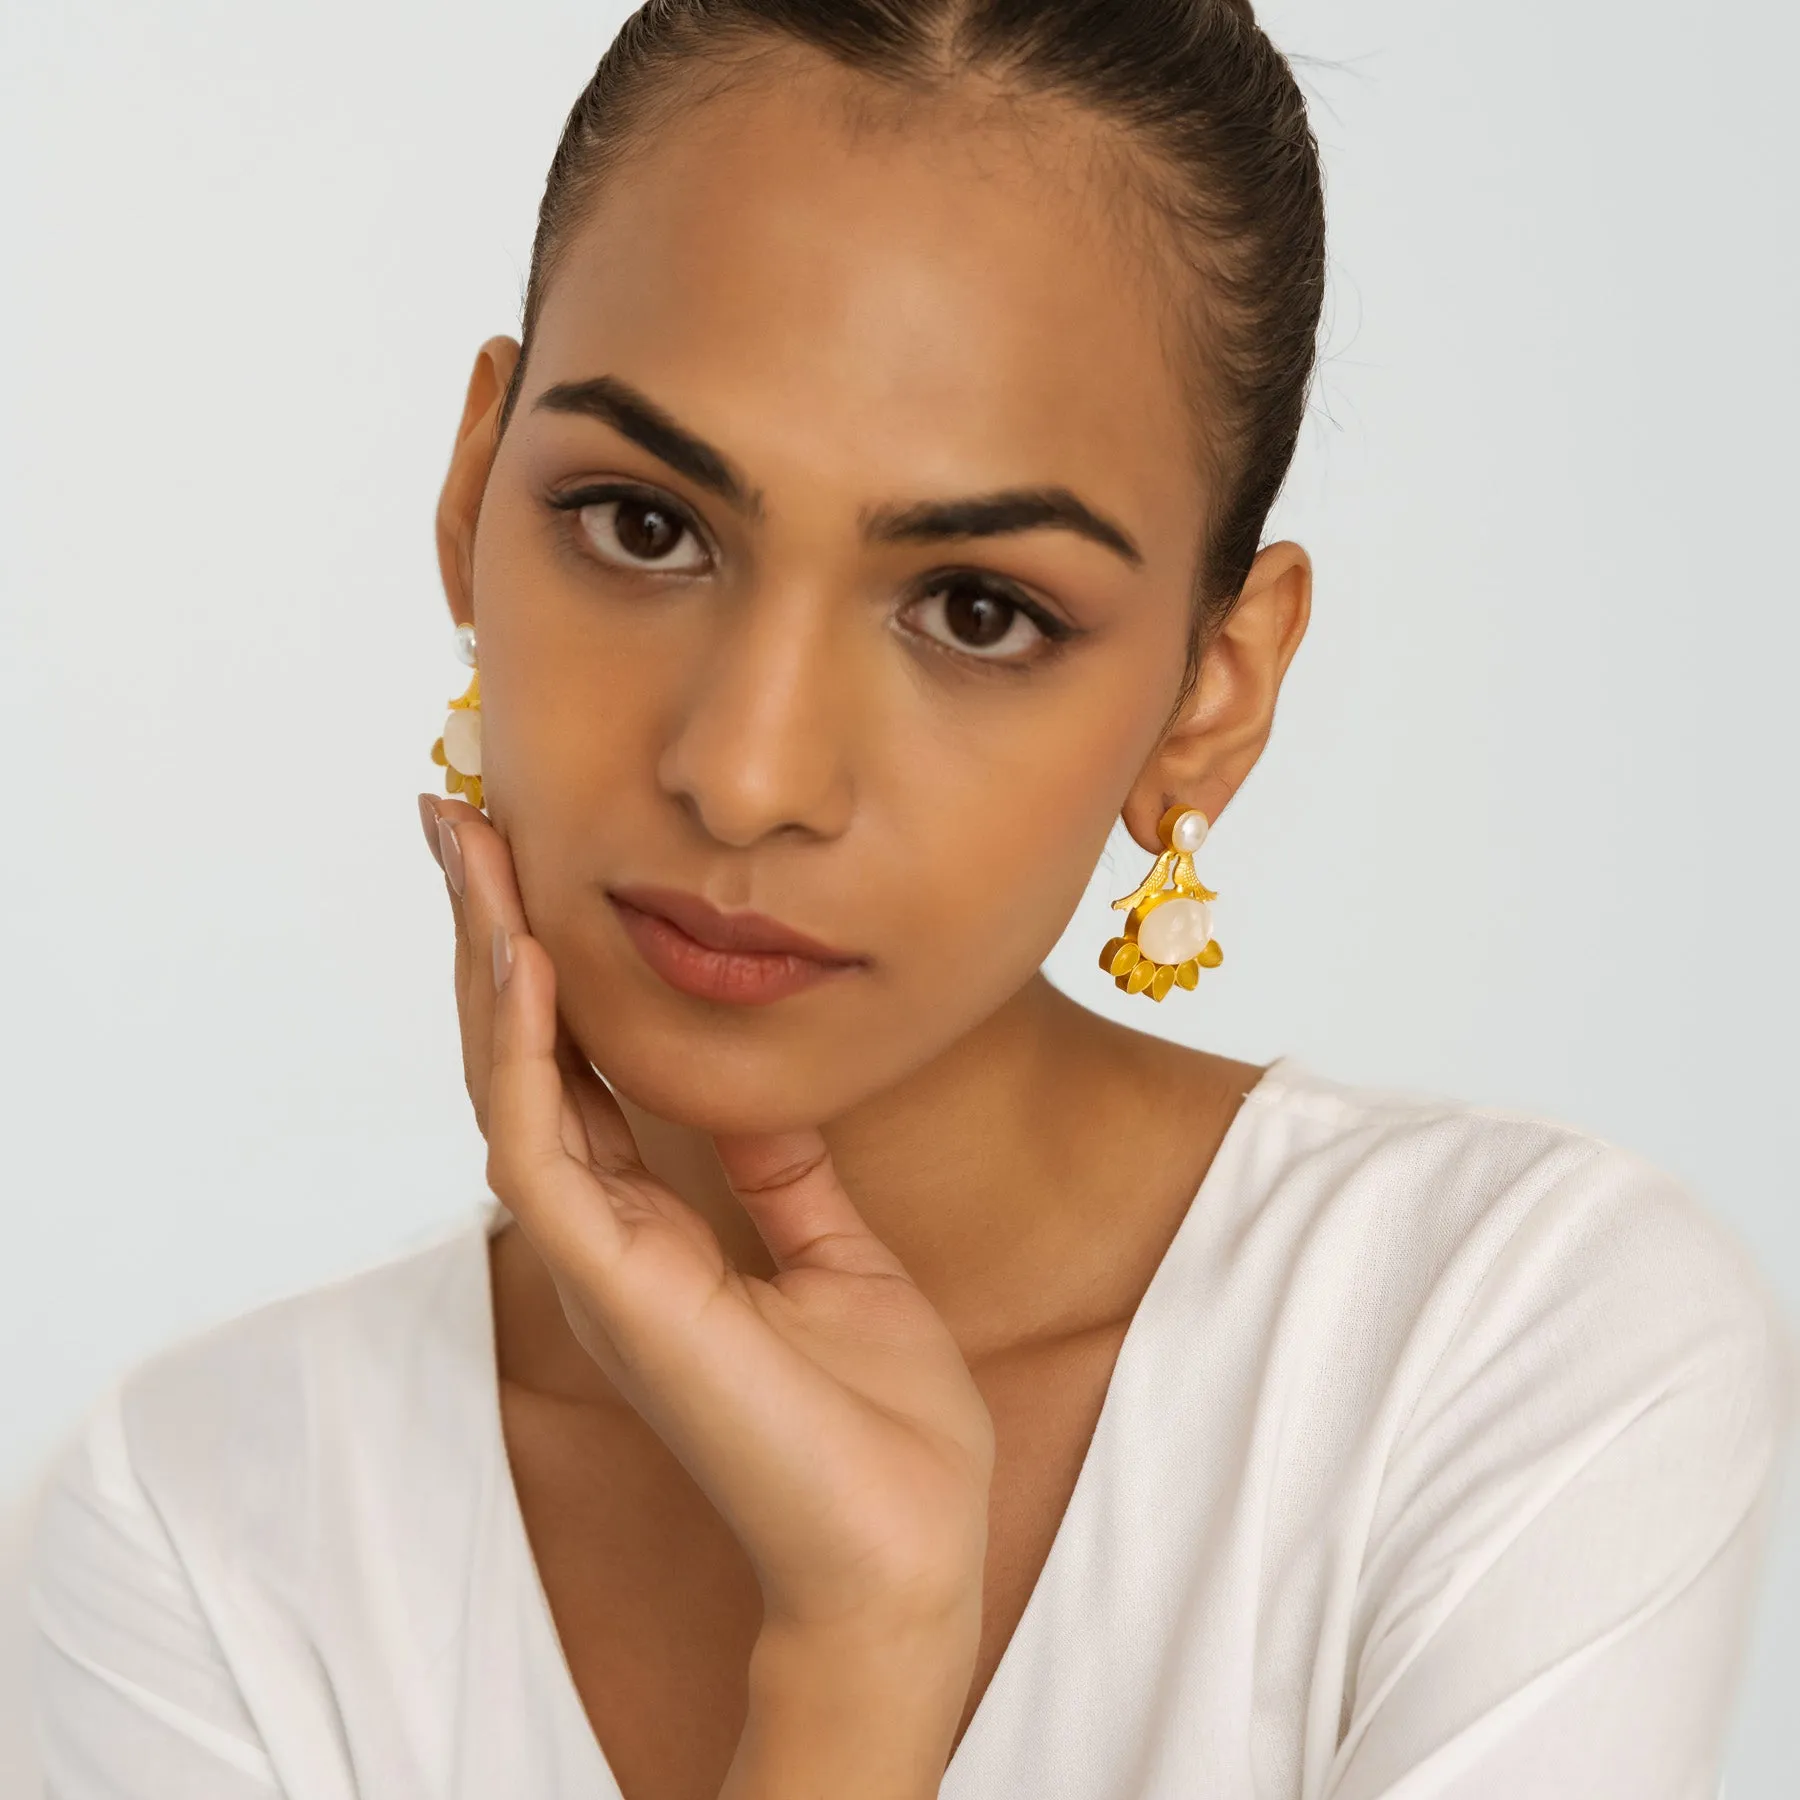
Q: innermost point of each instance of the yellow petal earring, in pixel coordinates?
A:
(458, 751)
(1168, 934)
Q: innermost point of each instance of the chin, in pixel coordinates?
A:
(686, 1093)
(696, 1078)
(795, 1065)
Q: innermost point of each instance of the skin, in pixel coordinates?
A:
(809, 1308)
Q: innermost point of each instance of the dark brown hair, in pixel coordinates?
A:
(1221, 150)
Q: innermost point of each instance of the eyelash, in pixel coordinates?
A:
(578, 501)
(1055, 632)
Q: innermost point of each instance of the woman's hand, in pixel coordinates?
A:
(827, 1412)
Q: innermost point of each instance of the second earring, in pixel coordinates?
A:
(1168, 935)
(458, 751)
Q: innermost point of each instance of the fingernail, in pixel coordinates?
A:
(502, 956)
(428, 817)
(450, 854)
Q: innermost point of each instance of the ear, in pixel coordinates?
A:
(1216, 738)
(460, 502)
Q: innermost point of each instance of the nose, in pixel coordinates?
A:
(761, 745)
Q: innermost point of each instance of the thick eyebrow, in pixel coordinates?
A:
(993, 515)
(636, 416)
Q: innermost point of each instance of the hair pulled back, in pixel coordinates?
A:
(1223, 152)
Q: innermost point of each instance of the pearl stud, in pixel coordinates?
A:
(1190, 831)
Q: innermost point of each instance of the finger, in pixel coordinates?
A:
(552, 1193)
(788, 1185)
(440, 839)
(437, 841)
(608, 1132)
(478, 861)
(428, 817)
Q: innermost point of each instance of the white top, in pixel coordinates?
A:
(1435, 1463)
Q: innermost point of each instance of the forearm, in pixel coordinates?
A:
(873, 1719)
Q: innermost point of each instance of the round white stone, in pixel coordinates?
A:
(1175, 930)
(1190, 831)
(465, 645)
(462, 740)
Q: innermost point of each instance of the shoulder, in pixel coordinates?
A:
(1442, 1177)
(1536, 1400)
(230, 1526)
(216, 1446)
(1509, 1250)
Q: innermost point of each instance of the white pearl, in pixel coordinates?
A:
(1175, 930)
(462, 740)
(465, 644)
(1190, 831)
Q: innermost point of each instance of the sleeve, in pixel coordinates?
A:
(133, 1696)
(1562, 1565)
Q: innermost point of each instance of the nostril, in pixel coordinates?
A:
(760, 751)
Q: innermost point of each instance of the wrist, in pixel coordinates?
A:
(866, 1709)
(912, 1658)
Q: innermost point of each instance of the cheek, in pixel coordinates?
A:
(563, 736)
(1003, 857)
(566, 704)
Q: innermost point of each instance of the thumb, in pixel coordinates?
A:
(786, 1182)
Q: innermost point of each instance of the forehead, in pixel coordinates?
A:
(950, 295)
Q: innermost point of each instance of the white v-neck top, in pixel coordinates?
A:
(1436, 1462)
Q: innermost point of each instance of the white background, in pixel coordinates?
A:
(1525, 833)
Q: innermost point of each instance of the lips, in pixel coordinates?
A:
(745, 932)
(759, 962)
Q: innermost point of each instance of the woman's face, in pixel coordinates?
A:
(751, 624)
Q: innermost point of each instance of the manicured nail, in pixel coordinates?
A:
(502, 956)
(450, 854)
(428, 817)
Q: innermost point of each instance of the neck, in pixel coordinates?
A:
(1028, 1179)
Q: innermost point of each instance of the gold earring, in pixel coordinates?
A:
(1168, 936)
(458, 751)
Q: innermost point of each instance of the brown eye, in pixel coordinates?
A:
(980, 620)
(645, 531)
(637, 531)
(977, 619)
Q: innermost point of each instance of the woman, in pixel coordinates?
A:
(883, 1376)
